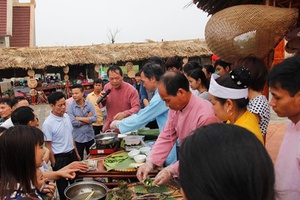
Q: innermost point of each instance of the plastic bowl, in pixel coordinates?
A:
(132, 140)
(147, 153)
(143, 150)
(139, 158)
(133, 153)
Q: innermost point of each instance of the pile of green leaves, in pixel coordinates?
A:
(142, 189)
(112, 161)
(148, 182)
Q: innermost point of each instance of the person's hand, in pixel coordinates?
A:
(78, 156)
(119, 116)
(90, 114)
(144, 170)
(164, 176)
(67, 173)
(102, 93)
(114, 124)
(49, 189)
(80, 166)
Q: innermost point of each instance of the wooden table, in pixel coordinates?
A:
(110, 178)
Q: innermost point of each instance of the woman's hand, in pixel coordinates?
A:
(78, 165)
(164, 176)
(144, 170)
(49, 189)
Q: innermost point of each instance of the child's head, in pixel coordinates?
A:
(40, 180)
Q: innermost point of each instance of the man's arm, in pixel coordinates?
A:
(144, 95)
(76, 151)
(134, 103)
(165, 141)
(91, 116)
(46, 156)
(48, 144)
(71, 113)
(156, 108)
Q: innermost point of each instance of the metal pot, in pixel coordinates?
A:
(106, 138)
(80, 190)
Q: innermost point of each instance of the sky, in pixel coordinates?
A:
(87, 22)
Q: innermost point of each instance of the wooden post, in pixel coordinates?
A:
(67, 89)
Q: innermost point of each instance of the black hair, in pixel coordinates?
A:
(98, 81)
(78, 86)
(209, 68)
(173, 81)
(199, 74)
(152, 70)
(22, 115)
(174, 61)
(116, 69)
(286, 75)
(17, 158)
(258, 71)
(16, 100)
(238, 78)
(191, 65)
(157, 60)
(55, 96)
(222, 64)
(225, 162)
(5, 101)
(138, 73)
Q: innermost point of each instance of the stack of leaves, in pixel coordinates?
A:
(142, 189)
(118, 161)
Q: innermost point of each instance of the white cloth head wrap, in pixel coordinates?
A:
(226, 93)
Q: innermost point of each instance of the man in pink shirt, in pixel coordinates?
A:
(122, 101)
(284, 82)
(187, 112)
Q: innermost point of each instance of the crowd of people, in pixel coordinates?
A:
(212, 121)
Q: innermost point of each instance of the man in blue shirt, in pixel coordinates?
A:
(82, 114)
(156, 110)
(59, 139)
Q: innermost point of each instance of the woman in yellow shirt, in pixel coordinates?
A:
(229, 96)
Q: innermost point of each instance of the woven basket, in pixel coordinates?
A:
(30, 72)
(66, 69)
(129, 66)
(32, 83)
(242, 30)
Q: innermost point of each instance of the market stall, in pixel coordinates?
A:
(114, 162)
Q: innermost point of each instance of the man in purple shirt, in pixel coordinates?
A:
(284, 82)
(187, 112)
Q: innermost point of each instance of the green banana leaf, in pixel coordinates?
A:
(120, 161)
(150, 134)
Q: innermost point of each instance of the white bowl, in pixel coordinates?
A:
(139, 158)
(143, 150)
(132, 140)
(147, 153)
(133, 153)
(121, 135)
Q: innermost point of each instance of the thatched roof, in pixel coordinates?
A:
(213, 6)
(41, 57)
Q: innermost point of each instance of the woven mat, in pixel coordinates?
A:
(138, 189)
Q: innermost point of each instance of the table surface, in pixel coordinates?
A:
(101, 172)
